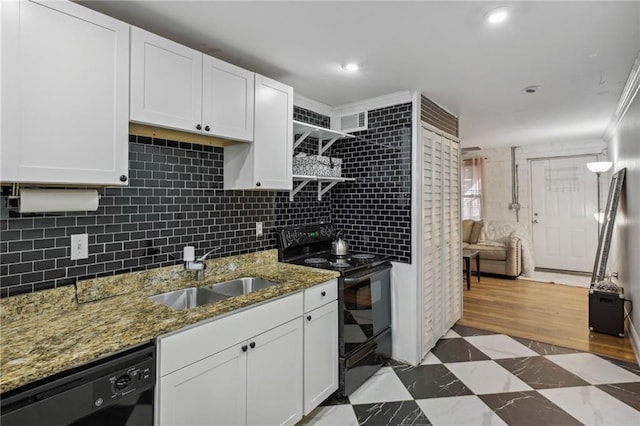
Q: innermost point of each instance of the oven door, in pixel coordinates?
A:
(365, 307)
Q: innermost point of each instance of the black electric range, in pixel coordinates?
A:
(364, 299)
(310, 245)
(344, 264)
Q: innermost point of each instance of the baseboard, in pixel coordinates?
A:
(563, 271)
(635, 341)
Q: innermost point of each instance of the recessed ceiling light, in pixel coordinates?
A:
(497, 16)
(531, 89)
(351, 66)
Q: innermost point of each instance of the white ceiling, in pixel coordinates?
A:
(579, 52)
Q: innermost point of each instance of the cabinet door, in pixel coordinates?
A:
(210, 392)
(273, 137)
(320, 355)
(227, 104)
(274, 376)
(64, 95)
(166, 82)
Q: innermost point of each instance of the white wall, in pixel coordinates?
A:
(624, 256)
(497, 174)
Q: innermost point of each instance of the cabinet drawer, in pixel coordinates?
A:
(216, 335)
(319, 295)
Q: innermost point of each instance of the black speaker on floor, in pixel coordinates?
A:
(606, 311)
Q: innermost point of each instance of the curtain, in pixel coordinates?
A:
(472, 199)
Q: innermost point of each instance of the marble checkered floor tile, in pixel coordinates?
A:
(476, 377)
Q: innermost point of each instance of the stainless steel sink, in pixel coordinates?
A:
(240, 286)
(188, 298)
(199, 296)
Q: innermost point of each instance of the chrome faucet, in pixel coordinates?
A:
(198, 264)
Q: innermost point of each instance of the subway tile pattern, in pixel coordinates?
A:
(305, 208)
(175, 198)
(375, 211)
(311, 117)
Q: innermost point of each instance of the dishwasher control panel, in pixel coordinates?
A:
(122, 382)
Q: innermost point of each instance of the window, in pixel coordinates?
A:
(472, 201)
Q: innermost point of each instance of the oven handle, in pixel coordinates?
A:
(365, 277)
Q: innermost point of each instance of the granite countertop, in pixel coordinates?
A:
(50, 331)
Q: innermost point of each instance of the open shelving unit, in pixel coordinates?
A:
(324, 184)
(326, 138)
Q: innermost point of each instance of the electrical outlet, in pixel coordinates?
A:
(79, 246)
(258, 229)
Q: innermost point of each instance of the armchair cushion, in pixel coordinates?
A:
(475, 232)
(489, 252)
(467, 224)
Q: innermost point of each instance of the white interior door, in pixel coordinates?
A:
(563, 200)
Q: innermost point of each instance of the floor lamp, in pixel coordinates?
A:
(599, 167)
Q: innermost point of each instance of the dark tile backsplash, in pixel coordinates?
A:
(375, 210)
(311, 117)
(175, 198)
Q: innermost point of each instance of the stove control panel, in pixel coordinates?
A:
(306, 235)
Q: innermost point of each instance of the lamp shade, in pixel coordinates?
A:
(599, 166)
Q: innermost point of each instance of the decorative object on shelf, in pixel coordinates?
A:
(316, 168)
(317, 165)
(599, 167)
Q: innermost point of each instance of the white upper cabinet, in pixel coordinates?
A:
(273, 133)
(65, 95)
(177, 87)
(265, 164)
(227, 104)
(166, 82)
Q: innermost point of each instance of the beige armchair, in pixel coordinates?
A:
(501, 256)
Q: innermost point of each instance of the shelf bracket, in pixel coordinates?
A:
(301, 138)
(325, 147)
(322, 191)
(298, 188)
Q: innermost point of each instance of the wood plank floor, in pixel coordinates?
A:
(548, 313)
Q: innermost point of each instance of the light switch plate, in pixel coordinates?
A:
(258, 229)
(79, 246)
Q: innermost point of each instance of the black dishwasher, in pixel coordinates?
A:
(115, 391)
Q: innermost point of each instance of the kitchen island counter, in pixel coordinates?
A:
(47, 332)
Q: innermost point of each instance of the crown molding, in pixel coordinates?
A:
(373, 103)
(626, 98)
(312, 105)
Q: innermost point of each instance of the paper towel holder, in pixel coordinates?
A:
(51, 200)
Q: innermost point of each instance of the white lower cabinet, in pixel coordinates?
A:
(320, 355)
(211, 391)
(274, 376)
(265, 365)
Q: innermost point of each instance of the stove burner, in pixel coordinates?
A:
(364, 256)
(315, 260)
(340, 263)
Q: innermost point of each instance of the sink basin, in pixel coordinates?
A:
(199, 296)
(188, 298)
(240, 286)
